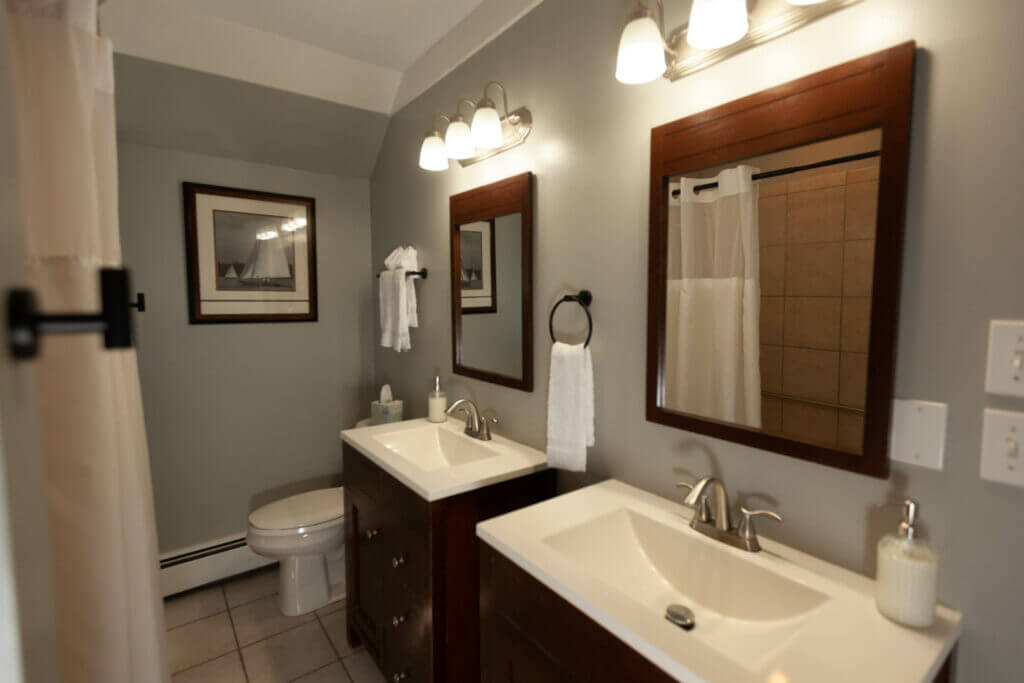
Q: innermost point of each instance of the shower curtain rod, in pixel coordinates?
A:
(794, 169)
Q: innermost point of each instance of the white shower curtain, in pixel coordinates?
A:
(98, 489)
(712, 366)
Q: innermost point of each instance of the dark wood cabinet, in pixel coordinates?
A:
(412, 569)
(530, 634)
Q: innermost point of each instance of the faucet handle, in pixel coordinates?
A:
(684, 485)
(746, 528)
(700, 505)
(485, 426)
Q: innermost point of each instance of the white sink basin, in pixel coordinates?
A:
(439, 460)
(621, 556)
(433, 447)
(741, 609)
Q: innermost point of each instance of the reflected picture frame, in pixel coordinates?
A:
(478, 267)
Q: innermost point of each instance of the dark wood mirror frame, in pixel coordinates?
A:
(873, 92)
(510, 195)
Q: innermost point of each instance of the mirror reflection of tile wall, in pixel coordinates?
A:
(817, 240)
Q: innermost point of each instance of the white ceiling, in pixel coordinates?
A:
(376, 55)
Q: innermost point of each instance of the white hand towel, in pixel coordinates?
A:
(409, 261)
(570, 407)
(394, 318)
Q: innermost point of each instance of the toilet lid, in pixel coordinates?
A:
(305, 509)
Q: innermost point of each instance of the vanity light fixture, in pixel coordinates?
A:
(294, 224)
(641, 49)
(458, 140)
(717, 30)
(489, 134)
(267, 235)
(717, 23)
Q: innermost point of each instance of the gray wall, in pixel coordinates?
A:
(494, 341)
(590, 151)
(239, 414)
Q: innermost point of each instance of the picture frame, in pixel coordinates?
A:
(250, 255)
(478, 278)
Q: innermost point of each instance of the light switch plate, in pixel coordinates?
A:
(1005, 372)
(1001, 457)
(918, 434)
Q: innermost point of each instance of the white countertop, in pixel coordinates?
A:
(507, 459)
(844, 639)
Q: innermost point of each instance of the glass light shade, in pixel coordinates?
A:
(717, 23)
(486, 129)
(267, 235)
(804, 2)
(641, 52)
(432, 155)
(458, 141)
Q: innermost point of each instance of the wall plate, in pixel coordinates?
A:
(1004, 373)
(918, 435)
(1001, 458)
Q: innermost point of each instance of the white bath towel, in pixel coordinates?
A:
(394, 317)
(570, 407)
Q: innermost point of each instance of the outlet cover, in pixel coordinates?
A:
(918, 433)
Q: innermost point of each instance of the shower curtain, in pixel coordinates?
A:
(712, 365)
(96, 466)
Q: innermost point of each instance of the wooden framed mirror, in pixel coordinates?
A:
(492, 282)
(776, 237)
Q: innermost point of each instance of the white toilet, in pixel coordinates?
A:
(301, 531)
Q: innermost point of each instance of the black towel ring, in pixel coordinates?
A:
(584, 299)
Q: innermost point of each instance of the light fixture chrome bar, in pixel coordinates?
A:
(515, 128)
(796, 16)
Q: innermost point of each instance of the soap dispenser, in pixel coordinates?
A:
(437, 402)
(907, 578)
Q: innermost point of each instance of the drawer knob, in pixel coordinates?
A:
(370, 533)
(397, 621)
(397, 678)
(397, 562)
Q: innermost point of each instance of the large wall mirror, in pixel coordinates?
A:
(775, 247)
(492, 282)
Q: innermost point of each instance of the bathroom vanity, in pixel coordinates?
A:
(576, 589)
(414, 494)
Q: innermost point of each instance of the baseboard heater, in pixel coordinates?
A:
(186, 568)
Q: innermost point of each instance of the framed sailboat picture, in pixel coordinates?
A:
(251, 255)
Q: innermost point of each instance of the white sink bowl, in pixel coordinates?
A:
(433, 447)
(440, 460)
(621, 556)
(741, 609)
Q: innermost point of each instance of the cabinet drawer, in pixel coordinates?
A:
(409, 638)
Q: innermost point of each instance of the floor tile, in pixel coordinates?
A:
(332, 673)
(247, 588)
(199, 641)
(332, 607)
(261, 619)
(362, 669)
(334, 624)
(288, 655)
(196, 604)
(226, 669)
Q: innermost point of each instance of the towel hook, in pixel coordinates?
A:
(584, 299)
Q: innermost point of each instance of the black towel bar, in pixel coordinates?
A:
(422, 272)
(584, 299)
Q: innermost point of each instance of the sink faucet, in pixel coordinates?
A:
(715, 522)
(478, 426)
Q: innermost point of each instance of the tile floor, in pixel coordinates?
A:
(233, 632)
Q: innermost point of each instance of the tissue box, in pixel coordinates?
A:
(382, 413)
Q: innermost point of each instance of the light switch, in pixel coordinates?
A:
(1001, 459)
(1005, 374)
(918, 434)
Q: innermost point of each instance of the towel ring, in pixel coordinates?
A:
(584, 299)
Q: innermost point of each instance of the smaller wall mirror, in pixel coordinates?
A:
(492, 282)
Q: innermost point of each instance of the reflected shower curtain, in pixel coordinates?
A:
(98, 489)
(712, 365)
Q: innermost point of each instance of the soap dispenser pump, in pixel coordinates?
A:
(907, 579)
(437, 402)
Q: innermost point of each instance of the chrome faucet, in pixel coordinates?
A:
(715, 522)
(478, 426)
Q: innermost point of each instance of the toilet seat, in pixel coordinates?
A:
(305, 511)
